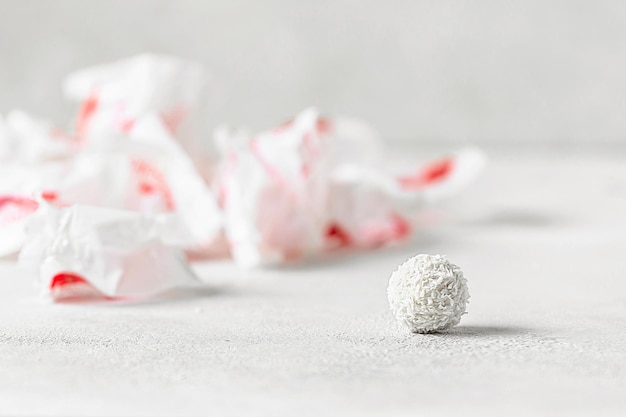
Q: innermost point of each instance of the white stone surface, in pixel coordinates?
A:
(541, 240)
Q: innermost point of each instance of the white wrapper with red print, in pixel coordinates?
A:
(145, 170)
(313, 184)
(89, 252)
(31, 153)
(115, 96)
(309, 186)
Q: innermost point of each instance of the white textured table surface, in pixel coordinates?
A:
(542, 242)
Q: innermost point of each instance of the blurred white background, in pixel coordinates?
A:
(487, 72)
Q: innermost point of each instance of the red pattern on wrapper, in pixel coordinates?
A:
(63, 279)
(336, 234)
(87, 110)
(69, 287)
(432, 173)
(397, 228)
(16, 208)
(49, 196)
(323, 126)
(173, 118)
(151, 181)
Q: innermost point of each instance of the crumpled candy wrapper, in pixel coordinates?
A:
(109, 209)
(314, 183)
(273, 192)
(30, 153)
(146, 172)
(115, 96)
(26, 140)
(84, 252)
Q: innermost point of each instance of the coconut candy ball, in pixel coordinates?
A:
(427, 293)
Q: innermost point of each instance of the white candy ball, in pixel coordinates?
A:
(427, 293)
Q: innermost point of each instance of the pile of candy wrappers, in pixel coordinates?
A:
(118, 206)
